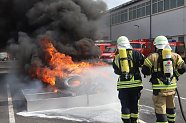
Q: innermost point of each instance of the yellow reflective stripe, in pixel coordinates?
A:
(180, 62)
(125, 116)
(129, 86)
(160, 82)
(177, 74)
(155, 69)
(148, 62)
(131, 62)
(171, 119)
(163, 86)
(117, 60)
(134, 115)
(171, 115)
(162, 122)
(132, 80)
(138, 105)
(129, 82)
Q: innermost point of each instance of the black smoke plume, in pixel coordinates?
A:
(70, 24)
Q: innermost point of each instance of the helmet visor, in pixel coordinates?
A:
(126, 46)
(162, 46)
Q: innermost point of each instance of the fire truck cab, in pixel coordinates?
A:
(145, 46)
(109, 54)
(178, 47)
(102, 44)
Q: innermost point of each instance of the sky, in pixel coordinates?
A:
(114, 3)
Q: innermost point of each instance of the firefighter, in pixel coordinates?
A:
(126, 64)
(164, 67)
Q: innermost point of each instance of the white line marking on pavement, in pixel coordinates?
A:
(147, 107)
(147, 89)
(141, 121)
(10, 106)
(175, 96)
(181, 98)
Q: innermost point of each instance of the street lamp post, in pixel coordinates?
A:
(138, 31)
(110, 25)
(150, 20)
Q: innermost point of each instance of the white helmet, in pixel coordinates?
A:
(161, 42)
(123, 42)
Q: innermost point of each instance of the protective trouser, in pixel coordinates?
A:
(129, 105)
(164, 108)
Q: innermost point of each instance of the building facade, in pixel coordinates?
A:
(136, 20)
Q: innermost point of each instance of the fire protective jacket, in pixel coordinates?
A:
(153, 66)
(135, 63)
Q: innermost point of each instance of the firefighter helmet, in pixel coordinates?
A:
(123, 42)
(160, 42)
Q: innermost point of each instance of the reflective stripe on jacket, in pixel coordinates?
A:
(136, 80)
(152, 62)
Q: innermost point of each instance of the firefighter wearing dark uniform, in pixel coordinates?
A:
(129, 83)
(164, 70)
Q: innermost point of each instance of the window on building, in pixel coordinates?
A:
(138, 11)
(172, 4)
(154, 6)
(180, 3)
(130, 14)
(112, 19)
(126, 15)
(166, 4)
(148, 8)
(160, 6)
(115, 19)
(122, 16)
(134, 13)
(181, 38)
(119, 17)
(143, 11)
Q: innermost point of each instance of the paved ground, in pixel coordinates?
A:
(10, 91)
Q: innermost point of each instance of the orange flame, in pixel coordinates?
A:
(58, 64)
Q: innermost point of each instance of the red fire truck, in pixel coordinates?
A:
(109, 54)
(178, 47)
(143, 45)
(103, 44)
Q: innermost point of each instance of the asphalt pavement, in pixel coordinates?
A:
(13, 104)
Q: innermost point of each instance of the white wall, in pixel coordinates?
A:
(131, 31)
(170, 23)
